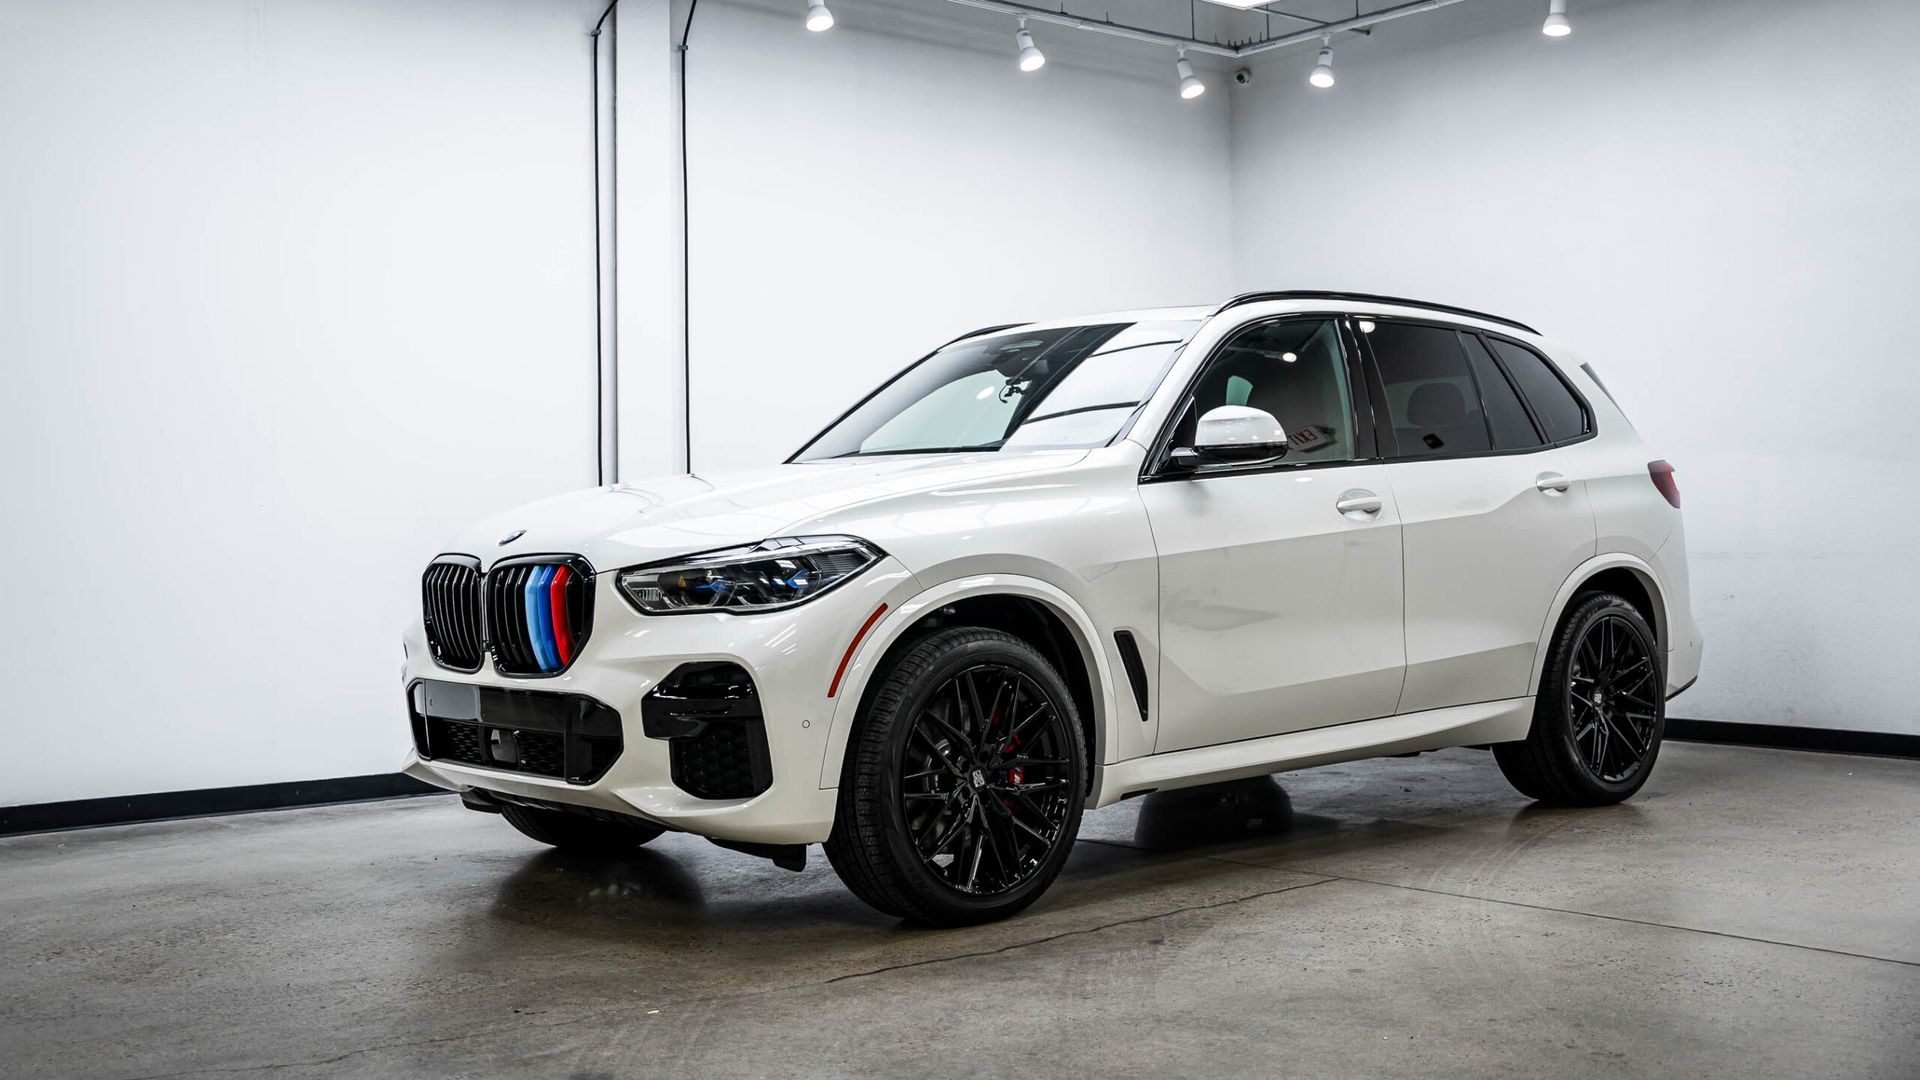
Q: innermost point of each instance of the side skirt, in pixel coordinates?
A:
(1435, 729)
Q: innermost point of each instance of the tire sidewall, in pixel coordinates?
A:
(898, 729)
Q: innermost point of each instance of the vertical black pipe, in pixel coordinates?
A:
(599, 309)
(686, 250)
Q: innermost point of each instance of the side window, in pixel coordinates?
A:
(1292, 368)
(1432, 401)
(1559, 411)
(1512, 428)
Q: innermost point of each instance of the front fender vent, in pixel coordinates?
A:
(1136, 668)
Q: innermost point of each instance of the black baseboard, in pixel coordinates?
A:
(80, 813)
(1881, 743)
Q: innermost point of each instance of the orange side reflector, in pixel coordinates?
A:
(851, 646)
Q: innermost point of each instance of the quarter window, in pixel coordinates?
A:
(1560, 413)
(1431, 397)
(1512, 429)
(1294, 369)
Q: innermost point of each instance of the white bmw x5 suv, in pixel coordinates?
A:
(1054, 565)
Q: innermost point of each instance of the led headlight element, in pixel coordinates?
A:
(767, 576)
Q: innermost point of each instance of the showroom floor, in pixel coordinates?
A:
(1752, 913)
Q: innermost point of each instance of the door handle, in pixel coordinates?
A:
(1358, 504)
(1551, 483)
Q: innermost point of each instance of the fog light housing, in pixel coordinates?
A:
(709, 714)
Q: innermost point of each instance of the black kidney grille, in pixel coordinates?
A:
(533, 614)
(538, 614)
(450, 594)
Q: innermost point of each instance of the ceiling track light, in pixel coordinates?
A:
(1031, 58)
(818, 17)
(1190, 85)
(1322, 75)
(1557, 24)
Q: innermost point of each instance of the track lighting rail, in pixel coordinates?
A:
(1198, 45)
(1101, 26)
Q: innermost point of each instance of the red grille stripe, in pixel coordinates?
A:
(557, 606)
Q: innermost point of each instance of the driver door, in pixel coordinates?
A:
(1281, 592)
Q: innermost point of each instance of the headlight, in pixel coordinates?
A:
(766, 576)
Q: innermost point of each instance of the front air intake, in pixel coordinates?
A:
(709, 713)
(562, 736)
(539, 613)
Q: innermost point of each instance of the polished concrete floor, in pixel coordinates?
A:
(1753, 913)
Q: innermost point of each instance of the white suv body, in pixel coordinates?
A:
(1214, 607)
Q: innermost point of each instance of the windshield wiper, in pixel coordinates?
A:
(1081, 409)
(923, 450)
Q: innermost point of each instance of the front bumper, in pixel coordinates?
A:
(791, 656)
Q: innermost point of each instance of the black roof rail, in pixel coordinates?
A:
(1370, 298)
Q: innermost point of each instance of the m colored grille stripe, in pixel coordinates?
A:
(539, 619)
(533, 617)
(557, 611)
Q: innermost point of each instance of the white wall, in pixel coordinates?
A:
(288, 290)
(268, 268)
(861, 195)
(1715, 201)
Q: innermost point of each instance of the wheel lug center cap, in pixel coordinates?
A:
(979, 779)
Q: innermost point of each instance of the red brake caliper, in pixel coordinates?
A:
(1014, 774)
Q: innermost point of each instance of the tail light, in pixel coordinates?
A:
(1662, 474)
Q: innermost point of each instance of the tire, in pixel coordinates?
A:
(935, 772)
(1601, 711)
(576, 833)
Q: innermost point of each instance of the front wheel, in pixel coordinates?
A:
(963, 788)
(1600, 713)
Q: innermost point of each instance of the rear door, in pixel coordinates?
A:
(1279, 581)
(1492, 521)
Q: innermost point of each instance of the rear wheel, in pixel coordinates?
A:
(1600, 713)
(963, 788)
(577, 833)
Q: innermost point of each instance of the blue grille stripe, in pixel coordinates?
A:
(540, 620)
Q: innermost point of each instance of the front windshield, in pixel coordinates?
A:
(1068, 386)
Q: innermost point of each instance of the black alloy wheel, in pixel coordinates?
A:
(1613, 698)
(984, 784)
(963, 786)
(1601, 710)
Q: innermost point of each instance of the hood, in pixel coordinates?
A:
(628, 524)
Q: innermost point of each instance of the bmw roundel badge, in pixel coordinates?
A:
(512, 536)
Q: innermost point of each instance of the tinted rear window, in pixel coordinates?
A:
(1553, 402)
(1512, 430)
(1431, 396)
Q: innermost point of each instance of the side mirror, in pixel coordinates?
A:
(1233, 434)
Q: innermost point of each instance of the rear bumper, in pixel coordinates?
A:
(1684, 641)
(790, 655)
